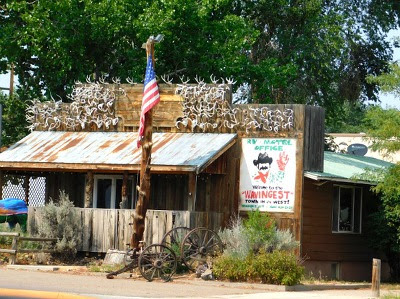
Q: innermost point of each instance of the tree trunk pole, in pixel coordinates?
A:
(376, 277)
(11, 90)
(144, 189)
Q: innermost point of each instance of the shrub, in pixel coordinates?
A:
(278, 267)
(231, 267)
(260, 228)
(235, 239)
(255, 249)
(60, 220)
(281, 240)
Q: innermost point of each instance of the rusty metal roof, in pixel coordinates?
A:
(114, 151)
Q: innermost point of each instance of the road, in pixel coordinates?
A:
(123, 286)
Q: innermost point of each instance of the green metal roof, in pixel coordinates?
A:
(342, 167)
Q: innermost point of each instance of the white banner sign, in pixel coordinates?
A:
(268, 174)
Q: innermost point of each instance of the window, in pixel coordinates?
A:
(347, 205)
(107, 192)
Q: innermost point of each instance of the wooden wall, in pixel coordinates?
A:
(104, 229)
(128, 106)
(158, 223)
(314, 131)
(318, 241)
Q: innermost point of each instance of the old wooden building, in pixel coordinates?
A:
(210, 160)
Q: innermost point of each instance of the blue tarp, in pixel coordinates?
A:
(12, 206)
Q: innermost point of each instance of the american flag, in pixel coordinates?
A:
(151, 96)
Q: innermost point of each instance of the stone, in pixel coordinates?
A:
(114, 257)
(207, 275)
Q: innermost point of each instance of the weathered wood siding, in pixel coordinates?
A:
(314, 130)
(104, 229)
(158, 223)
(318, 241)
(128, 106)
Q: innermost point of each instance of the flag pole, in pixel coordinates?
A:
(144, 187)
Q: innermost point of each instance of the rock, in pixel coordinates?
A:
(114, 257)
(201, 269)
(207, 275)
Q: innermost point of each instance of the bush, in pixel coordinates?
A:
(235, 239)
(260, 229)
(256, 233)
(231, 267)
(60, 220)
(278, 267)
(255, 249)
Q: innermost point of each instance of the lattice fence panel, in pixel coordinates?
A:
(31, 189)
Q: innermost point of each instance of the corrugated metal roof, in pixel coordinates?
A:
(114, 150)
(342, 167)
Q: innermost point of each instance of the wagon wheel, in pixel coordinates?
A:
(199, 244)
(157, 260)
(173, 238)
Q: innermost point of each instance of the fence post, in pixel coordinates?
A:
(14, 246)
(376, 277)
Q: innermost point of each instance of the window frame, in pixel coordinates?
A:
(113, 179)
(353, 188)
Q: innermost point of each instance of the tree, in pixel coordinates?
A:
(385, 221)
(389, 82)
(14, 124)
(316, 52)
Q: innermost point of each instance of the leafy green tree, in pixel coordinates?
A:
(390, 81)
(316, 52)
(14, 125)
(385, 221)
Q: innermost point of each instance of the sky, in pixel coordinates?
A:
(387, 100)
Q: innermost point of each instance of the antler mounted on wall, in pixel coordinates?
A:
(92, 105)
(206, 109)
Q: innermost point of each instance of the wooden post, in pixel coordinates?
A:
(27, 188)
(89, 190)
(14, 246)
(144, 188)
(192, 192)
(376, 277)
(124, 192)
(1, 183)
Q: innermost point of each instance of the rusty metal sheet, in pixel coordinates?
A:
(115, 148)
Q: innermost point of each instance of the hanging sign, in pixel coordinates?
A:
(268, 174)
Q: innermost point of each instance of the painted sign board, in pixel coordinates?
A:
(268, 174)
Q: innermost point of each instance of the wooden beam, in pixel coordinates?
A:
(144, 188)
(192, 192)
(124, 191)
(89, 189)
(26, 188)
(78, 167)
(1, 183)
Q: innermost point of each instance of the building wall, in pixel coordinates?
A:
(324, 249)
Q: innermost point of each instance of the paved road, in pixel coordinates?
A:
(123, 287)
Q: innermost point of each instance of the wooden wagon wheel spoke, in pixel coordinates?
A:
(157, 260)
(197, 245)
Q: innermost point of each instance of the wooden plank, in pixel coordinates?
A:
(36, 250)
(11, 251)
(7, 234)
(38, 239)
(87, 229)
(107, 168)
